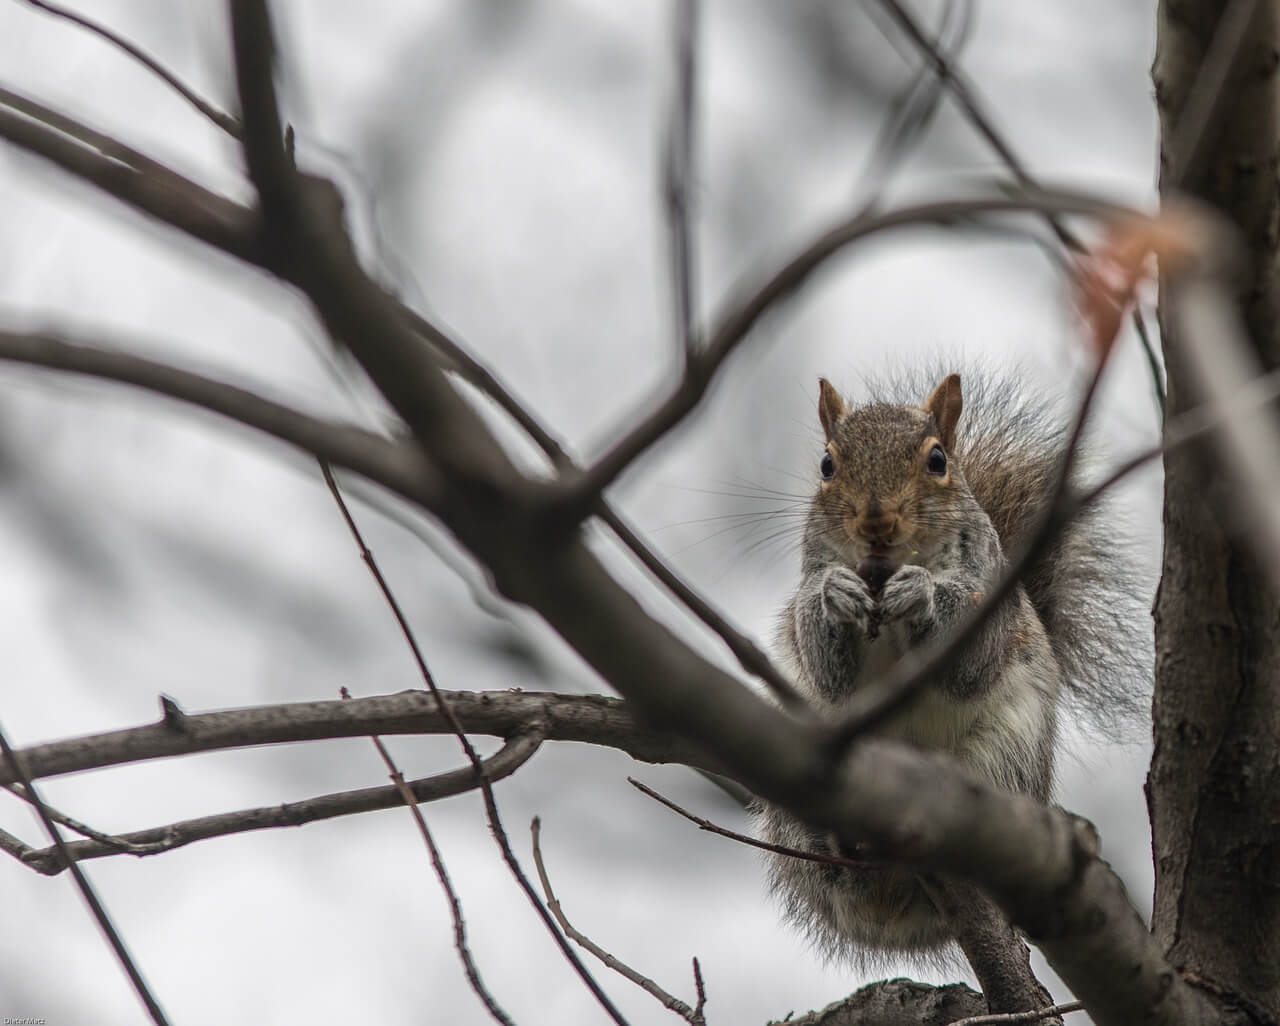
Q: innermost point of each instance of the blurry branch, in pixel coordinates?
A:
(667, 1000)
(1212, 339)
(129, 176)
(222, 120)
(912, 111)
(580, 493)
(1205, 99)
(155, 840)
(678, 178)
(934, 52)
(481, 775)
(91, 899)
(396, 465)
(304, 240)
(437, 863)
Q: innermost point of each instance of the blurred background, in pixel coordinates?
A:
(502, 164)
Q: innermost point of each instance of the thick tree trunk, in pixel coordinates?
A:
(1214, 787)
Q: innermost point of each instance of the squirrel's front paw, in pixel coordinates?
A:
(846, 598)
(908, 594)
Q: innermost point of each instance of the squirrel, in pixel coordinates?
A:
(915, 509)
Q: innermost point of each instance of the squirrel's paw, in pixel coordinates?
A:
(908, 594)
(845, 597)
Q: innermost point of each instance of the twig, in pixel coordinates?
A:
(913, 110)
(580, 494)
(965, 94)
(700, 989)
(1015, 1018)
(678, 175)
(668, 1001)
(747, 839)
(114, 844)
(131, 177)
(395, 465)
(437, 863)
(86, 890)
(222, 120)
(490, 804)
(155, 840)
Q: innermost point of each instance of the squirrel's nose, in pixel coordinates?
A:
(877, 525)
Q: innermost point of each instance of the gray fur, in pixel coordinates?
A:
(1069, 632)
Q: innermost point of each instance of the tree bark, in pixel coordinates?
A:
(1214, 787)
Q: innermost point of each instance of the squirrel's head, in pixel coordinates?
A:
(888, 485)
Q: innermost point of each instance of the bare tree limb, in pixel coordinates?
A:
(130, 177)
(112, 845)
(591, 719)
(665, 999)
(482, 778)
(455, 905)
(91, 899)
(155, 840)
(581, 492)
(678, 174)
(396, 465)
(933, 52)
(222, 120)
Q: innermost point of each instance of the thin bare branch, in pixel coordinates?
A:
(130, 176)
(155, 840)
(455, 905)
(665, 999)
(581, 493)
(395, 465)
(1018, 1018)
(747, 839)
(490, 803)
(678, 176)
(222, 120)
(86, 889)
(113, 845)
(935, 53)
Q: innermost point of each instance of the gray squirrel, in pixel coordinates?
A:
(915, 509)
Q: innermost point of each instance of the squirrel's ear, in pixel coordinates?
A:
(945, 405)
(830, 407)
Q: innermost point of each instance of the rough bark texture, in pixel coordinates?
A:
(1214, 786)
(896, 1003)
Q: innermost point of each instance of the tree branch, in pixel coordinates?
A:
(579, 493)
(155, 840)
(220, 119)
(395, 465)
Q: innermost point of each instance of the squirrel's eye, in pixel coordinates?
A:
(936, 463)
(827, 467)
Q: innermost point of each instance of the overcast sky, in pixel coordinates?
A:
(501, 166)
